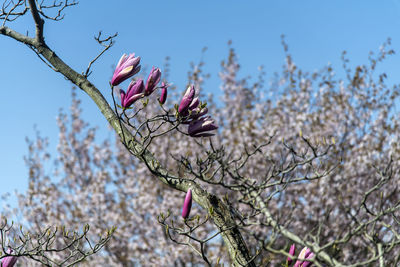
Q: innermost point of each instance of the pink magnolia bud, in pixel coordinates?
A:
(126, 68)
(152, 81)
(187, 205)
(305, 254)
(308, 263)
(164, 93)
(199, 127)
(194, 104)
(292, 250)
(187, 99)
(134, 92)
(197, 113)
(9, 261)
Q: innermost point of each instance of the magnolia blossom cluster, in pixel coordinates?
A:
(191, 111)
(126, 68)
(305, 254)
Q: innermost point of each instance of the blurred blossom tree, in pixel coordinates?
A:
(313, 160)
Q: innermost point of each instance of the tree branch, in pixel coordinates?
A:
(238, 251)
(38, 21)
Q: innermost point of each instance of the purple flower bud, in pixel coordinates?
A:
(292, 250)
(194, 104)
(305, 253)
(126, 67)
(134, 92)
(123, 94)
(187, 205)
(308, 263)
(197, 113)
(164, 93)
(152, 81)
(9, 261)
(193, 112)
(186, 100)
(198, 127)
(203, 135)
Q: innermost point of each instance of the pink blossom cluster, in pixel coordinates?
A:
(126, 68)
(190, 110)
(192, 113)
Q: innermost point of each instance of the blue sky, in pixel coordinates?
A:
(316, 31)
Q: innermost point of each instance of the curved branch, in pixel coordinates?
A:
(218, 210)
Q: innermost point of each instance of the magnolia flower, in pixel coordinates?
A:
(198, 112)
(152, 81)
(194, 104)
(305, 254)
(193, 112)
(292, 250)
(164, 93)
(187, 205)
(134, 92)
(126, 67)
(200, 127)
(9, 261)
(186, 100)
